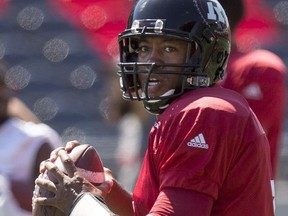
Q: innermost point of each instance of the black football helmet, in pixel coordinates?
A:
(201, 23)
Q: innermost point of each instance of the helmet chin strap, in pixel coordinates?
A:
(156, 107)
(168, 93)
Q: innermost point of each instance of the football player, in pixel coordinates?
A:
(25, 142)
(207, 152)
(258, 75)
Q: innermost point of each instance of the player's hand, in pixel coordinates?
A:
(69, 187)
(54, 154)
(107, 185)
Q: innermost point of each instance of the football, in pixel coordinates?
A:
(89, 164)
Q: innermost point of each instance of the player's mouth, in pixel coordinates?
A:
(153, 86)
(152, 82)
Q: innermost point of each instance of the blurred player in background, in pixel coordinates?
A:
(132, 143)
(207, 153)
(24, 144)
(259, 75)
(16, 108)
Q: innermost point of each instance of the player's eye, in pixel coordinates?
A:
(142, 49)
(169, 49)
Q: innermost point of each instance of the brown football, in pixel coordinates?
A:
(89, 164)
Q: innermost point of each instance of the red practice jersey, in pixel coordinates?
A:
(260, 77)
(208, 141)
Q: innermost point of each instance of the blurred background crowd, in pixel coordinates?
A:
(61, 57)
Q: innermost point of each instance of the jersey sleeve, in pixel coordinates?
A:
(170, 201)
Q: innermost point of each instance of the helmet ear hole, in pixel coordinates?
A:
(219, 74)
(222, 57)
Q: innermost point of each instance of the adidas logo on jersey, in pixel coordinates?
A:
(198, 142)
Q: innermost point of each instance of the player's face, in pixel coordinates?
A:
(161, 50)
